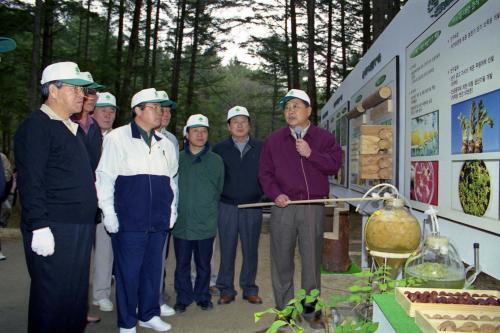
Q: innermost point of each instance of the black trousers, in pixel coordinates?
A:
(59, 283)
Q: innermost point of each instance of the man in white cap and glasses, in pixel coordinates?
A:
(104, 115)
(201, 179)
(137, 196)
(295, 164)
(241, 155)
(59, 203)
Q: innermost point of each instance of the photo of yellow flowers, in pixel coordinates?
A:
(425, 135)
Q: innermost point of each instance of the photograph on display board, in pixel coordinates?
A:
(474, 190)
(476, 124)
(425, 135)
(424, 182)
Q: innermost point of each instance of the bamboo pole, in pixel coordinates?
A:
(298, 202)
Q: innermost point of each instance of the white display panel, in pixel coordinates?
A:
(452, 114)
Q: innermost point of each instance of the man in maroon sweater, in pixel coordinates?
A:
(295, 164)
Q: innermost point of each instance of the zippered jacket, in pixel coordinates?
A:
(201, 180)
(135, 181)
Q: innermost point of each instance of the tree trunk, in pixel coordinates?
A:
(328, 72)
(145, 72)
(132, 46)
(155, 43)
(343, 39)
(194, 51)
(380, 13)
(367, 25)
(311, 78)
(104, 54)
(295, 56)
(119, 50)
(48, 26)
(87, 34)
(80, 29)
(35, 57)
(181, 16)
(287, 50)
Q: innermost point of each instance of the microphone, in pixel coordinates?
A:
(298, 132)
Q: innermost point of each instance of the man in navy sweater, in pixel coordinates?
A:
(59, 203)
(241, 155)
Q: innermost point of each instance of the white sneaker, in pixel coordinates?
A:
(127, 330)
(2, 257)
(156, 323)
(166, 310)
(104, 304)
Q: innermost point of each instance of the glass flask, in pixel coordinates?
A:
(392, 234)
(437, 264)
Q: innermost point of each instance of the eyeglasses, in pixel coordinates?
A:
(157, 108)
(89, 92)
(76, 89)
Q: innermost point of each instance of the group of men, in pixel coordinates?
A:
(70, 163)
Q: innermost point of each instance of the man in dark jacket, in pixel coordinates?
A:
(295, 164)
(240, 154)
(59, 203)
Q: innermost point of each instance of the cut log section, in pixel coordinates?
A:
(377, 97)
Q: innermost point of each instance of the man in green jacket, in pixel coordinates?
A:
(201, 181)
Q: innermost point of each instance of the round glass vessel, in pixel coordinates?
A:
(392, 229)
(438, 264)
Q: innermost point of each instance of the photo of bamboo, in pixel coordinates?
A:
(425, 135)
(424, 182)
(475, 124)
(475, 188)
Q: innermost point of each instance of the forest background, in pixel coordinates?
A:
(179, 47)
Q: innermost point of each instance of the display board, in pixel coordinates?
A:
(338, 126)
(452, 155)
(367, 107)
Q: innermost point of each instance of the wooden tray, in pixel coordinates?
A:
(411, 307)
(427, 324)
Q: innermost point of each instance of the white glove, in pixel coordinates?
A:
(42, 242)
(173, 217)
(110, 222)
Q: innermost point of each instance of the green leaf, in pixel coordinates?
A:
(382, 287)
(314, 293)
(310, 299)
(277, 324)
(354, 289)
(301, 293)
(299, 307)
(366, 288)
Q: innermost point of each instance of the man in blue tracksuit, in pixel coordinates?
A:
(137, 196)
(241, 155)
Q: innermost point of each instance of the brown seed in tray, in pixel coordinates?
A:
(447, 325)
(485, 318)
(471, 317)
(468, 326)
(459, 317)
(446, 317)
(497, 318)
(437, 316)
(475, 295)
(442, 293)
(487, 328)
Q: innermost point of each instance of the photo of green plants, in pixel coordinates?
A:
(475, 124)
(474, 187)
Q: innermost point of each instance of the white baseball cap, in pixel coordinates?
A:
(294, 93)
(197, 120)
(67, 72)
(237, 111)
(105, 99)
(150, 95)
(88, 77)
(167, 102)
